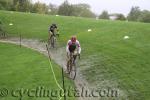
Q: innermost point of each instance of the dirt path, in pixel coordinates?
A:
(58, 55)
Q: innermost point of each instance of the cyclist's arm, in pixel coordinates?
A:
(57, 29)
(67, 47)
(79, 47)
(49, 34)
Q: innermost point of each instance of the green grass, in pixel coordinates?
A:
(109, 56)
(27, 69)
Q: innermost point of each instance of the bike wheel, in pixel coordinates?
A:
(53, 41)
(73, 72)
(48, 42)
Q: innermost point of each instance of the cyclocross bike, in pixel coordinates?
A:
(72, 65)
(52, 39)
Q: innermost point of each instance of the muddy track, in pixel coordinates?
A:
(58, 55)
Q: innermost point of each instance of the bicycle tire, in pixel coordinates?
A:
(73, 72)
(71, 67)
(52, 42)
(49, 42)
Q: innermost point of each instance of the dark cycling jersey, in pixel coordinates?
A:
(52, 28)
(72, 47)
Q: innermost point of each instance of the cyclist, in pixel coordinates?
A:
(53, 30)
(73, 46)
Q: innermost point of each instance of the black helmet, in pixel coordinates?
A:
(54, 24)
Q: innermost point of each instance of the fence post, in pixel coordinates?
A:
(65, 98)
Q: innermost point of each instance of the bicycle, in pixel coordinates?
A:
(71, 65)
(52, 39)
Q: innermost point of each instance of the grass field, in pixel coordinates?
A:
(106, 54)
(22, 68)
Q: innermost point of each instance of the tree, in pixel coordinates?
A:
(15, 3)
(27, 6)
(2, 4)
(65, 9)
(22, 5)
(134, 14)
(6, 4)
(145, 16)
(40, 8)
(53, 9)
(120, 17)
(83, 10)
(104, 15)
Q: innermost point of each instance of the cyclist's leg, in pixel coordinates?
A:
(54, 38)
(49, 37)
(68, 61)
(74, 55)
(74, 59)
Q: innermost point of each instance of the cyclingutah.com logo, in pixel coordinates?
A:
(3, 92)
(54, 94)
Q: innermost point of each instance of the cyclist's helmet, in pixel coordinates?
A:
(73, 39)
(54, 25)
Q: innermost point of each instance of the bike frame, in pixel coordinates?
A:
(72, 65)
(52, 40)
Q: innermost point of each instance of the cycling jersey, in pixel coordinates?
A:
(52, 28)
(72, 46)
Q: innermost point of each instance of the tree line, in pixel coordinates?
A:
(139, 15)
(24, 6)
(135, 14)
(67, 9)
